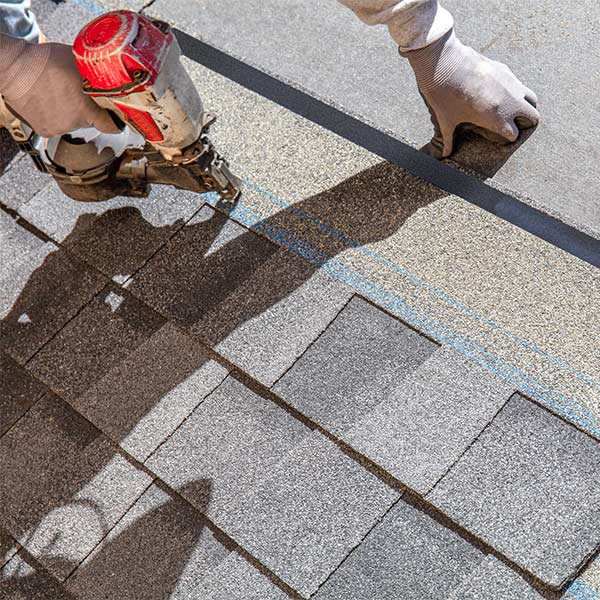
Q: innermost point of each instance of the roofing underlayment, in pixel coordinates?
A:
(351, 386)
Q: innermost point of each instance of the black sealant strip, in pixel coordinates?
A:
(445, 177)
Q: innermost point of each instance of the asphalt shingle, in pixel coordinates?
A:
(408, 555)
(160, 549)
(19, 580)
(107, 330)
(18, 392)
(308, 513)
(143, 399)
(232, 439)
(42, 293)
(426, 424)
(236, 579)
(355, 364)
(62, 485)
(258, 305)
(530, 487)
(493, 580)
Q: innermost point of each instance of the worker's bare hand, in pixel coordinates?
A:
(44, 89)
(460, 86)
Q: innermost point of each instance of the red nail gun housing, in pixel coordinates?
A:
(130, 64)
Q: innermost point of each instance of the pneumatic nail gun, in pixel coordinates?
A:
(130, 65)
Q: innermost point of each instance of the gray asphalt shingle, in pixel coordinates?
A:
(426, 424)
(493, 580)
(361, 358)
(308, 513)
(408, 555)
(160, 549)
(19, 580)
(530, 487)
(232, 439)
(144, 398)
(108, 329)
(18, 392)
(62, 485)
(258, 305)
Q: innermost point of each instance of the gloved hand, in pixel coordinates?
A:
(460, 86)
(42, 86)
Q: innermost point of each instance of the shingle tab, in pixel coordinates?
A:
(18, 392)
(19, 580)
(431, 419)
(308, 513)
(236, 579)
(107, 330)
(356, 363)
(143, 399)
(232, 439)
(258, 305)
(409, 555)
(493, 580)
(41, 294)
(62, 484)
(160, 549)
(530, 487)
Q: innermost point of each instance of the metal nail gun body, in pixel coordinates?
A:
(130, 65)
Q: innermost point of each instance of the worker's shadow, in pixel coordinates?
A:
(211, 278)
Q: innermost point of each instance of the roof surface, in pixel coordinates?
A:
(351, 387)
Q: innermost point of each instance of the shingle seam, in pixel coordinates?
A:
(56, 333)
(357, 545)
(160, 247)
(314, 341)
(26, 413)
(188, 416)
(419, 320)
(110, 529)
(473, 442)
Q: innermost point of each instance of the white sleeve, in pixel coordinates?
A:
(412, 23)
(17, 20)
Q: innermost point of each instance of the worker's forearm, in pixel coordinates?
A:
(412, 23)
(20, 68)
(16, 19)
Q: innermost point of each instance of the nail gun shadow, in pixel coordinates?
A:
(211, 277)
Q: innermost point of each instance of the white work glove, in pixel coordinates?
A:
(42, 86)
(461, 86)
